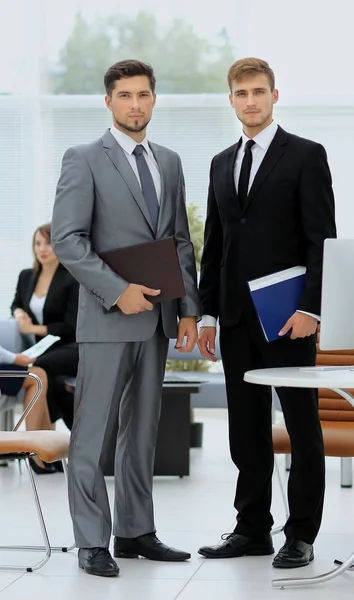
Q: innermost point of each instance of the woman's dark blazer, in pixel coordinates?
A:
(60, 307)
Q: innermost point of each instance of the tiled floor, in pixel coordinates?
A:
(190, 512)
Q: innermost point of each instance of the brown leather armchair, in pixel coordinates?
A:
(336, 415)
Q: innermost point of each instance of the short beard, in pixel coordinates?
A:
(137, 129)
(256, 124)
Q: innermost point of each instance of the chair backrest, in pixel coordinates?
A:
(10, 337)
(331, 406)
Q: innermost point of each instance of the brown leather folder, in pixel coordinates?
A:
(153, 264)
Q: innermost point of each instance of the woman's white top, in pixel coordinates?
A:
(36, 305)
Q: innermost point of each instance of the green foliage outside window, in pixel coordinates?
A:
(184, 62)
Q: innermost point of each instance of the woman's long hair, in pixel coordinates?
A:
(44, 230)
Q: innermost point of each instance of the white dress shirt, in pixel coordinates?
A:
(128, 145)
(37, 305)
(262, 140)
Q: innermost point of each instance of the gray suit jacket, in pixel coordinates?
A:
(99, 206)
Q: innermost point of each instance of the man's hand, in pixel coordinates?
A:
(132, 301)
(23, 361)
(187, 327)
(206, 343)
(302, 326)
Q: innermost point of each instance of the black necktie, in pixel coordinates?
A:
(244, 178)
(147, 185)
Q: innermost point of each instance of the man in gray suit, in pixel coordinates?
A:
(118, 191)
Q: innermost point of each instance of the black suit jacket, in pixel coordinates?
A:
(288, 215)
(60, 307)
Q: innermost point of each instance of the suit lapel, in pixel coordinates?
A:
(228, 177)
(162, 162)
(53, 290)
(231, 165)
(28, 294)
(121, 163)
(273, 155)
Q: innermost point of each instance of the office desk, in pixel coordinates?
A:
(337, 379)
(174, 433)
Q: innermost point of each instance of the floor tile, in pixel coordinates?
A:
(189, 512)
(91, 588)
(7, 579)
(249, 590)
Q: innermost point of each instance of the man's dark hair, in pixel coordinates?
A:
(128, 68)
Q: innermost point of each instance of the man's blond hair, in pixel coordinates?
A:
(250, 66)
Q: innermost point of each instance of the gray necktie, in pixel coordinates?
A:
(147, 185)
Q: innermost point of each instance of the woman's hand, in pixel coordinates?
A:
(25, 324)
(21, 315)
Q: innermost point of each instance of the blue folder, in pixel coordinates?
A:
(276, 298)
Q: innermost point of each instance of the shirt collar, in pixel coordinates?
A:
(264, 138)
(127, 143)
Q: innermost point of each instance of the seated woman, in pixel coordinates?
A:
(45, 303)
(38, 417)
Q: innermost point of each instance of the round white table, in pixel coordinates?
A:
(333, 378)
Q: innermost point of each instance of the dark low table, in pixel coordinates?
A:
(174, 433)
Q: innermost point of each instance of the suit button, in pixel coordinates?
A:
(243, 221)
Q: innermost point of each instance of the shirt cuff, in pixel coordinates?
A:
(310, 314)
(7, 357)
(208, 321)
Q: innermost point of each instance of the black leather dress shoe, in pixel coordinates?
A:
(148, 546)
(235, 545)
(294, 553)
(97, 561)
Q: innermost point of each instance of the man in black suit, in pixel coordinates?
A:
(278, 218)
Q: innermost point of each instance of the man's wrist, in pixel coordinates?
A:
(194, 317)
(310, 314)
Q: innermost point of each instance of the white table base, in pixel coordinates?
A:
(315, 378)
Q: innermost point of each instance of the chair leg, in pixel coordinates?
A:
(59, 548)
(46, 547)
(72, 546)
(9, 419)
(300, 581)
(280, 528)
(346, 472)
(2, 420)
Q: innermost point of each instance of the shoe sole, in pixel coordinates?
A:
(254, 552)
(89, 571)
(291, 565)
(118, 554)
